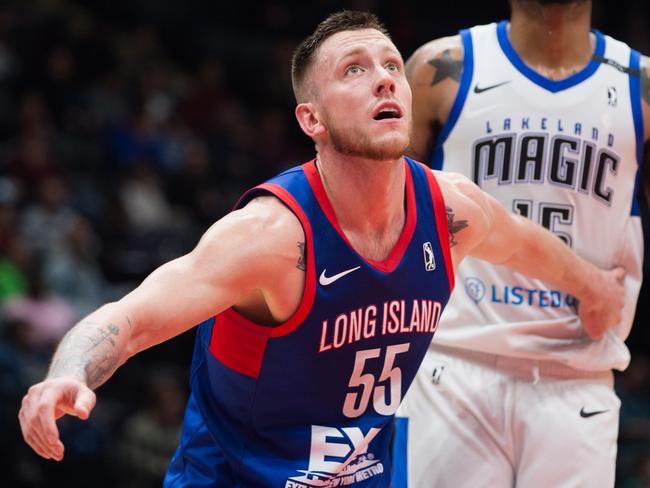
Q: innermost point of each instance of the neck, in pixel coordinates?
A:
(553, 37)
(367, 195)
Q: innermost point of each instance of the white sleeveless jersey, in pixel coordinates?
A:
(565, 154)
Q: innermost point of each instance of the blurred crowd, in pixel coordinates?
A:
(125, 131)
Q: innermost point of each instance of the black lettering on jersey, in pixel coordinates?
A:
(585, 168)
(607, 161)
(531, 157)
(492, 158)
(615, 64)
(564, 159)
(551, 214)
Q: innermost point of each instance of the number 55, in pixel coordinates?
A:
(356, 404)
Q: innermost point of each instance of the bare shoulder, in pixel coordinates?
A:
(264, 235)
(434, 72)
(468, 210)
(443, 52)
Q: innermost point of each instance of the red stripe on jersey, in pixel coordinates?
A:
(238, 342)
(396, 254)
(441, 223)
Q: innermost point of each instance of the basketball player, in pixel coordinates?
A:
(549, 117)
(325, 287)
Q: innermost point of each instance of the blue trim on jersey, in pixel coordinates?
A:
(465, 82)
(637, 115)
(400, 446)
(550, 85)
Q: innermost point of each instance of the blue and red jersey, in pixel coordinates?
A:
(310, 402)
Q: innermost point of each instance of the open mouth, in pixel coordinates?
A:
(388, 113)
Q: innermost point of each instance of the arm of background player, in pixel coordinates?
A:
(230, 265)
(481, 227)
(433, 71)
(645, 108)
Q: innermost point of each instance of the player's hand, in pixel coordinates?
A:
(46, 402)
(601, 308)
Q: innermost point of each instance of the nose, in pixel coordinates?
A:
(385, 83)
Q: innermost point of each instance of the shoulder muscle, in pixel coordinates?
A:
(434, 72)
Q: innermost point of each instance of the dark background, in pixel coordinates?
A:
(126, 129)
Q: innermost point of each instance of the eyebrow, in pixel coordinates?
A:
(358, 50)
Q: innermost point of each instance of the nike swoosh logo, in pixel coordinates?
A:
(328, 280)
(486, 88)
(591, 414)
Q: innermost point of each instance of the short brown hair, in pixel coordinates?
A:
(344, 20)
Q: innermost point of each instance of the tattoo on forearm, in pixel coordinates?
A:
(101, 368)
(645, 84)
(88, 351)
(454, 226)
(105, 335)
(302, 263)
(446, 67)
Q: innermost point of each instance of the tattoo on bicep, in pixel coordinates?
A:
(454, 226)
(302, 263)
(645, 84)
(446, 67)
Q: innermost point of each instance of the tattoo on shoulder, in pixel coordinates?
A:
(302, 263)
(454, 226)
(446, 67)
(645, 84)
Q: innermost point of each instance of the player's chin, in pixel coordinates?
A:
(392, 146)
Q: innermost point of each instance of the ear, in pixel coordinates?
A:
(309, 120)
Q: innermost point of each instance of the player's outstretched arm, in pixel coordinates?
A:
(481, 227)
(434, 72)
(229, 266)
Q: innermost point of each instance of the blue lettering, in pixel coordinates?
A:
(594, 134)
(518, 298)
(524, 123)
(505, 295)
(506, 124)
(531, 294)
(494, 295)
(578, 129)
(556, 299)
(543, 298)
(571, 301)
(610, 140)
(543, 123)
(559, 126)
(488, 129)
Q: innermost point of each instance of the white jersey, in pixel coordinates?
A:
(565, 154)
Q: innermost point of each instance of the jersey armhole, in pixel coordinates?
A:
(442, 227)
(238, 342)
(437, 156)
(309, 291)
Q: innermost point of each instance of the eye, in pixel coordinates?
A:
(392, 67)
(352, 70)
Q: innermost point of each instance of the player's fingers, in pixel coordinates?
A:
(31, 430)
(29, 424)
(85, 403)
(47, 404)
(37, 445)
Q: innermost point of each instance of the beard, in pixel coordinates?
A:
(353, 142)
